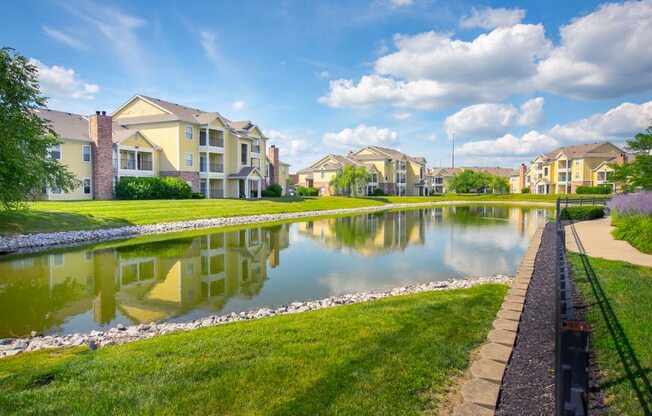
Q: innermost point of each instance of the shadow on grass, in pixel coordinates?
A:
(29, 221)
(634, 372)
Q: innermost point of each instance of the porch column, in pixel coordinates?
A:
(246, 183)
(259, 182)
(208, 188)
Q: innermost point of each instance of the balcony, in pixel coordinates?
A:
(214, 140)
(401, 166)
(216, 167)
(562, 178)
(135, 163)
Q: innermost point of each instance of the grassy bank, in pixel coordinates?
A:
(92, 215)
(394, 356)
(628, 338)
(635, 229)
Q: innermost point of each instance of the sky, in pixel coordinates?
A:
(506, 80)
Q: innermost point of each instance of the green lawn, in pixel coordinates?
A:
(628, 290)
(394, 356)
(91, 215)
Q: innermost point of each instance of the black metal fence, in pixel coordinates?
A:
(581, 201)
(571, 337)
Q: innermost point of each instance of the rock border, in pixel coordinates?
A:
(480, 392)
(121, 334)
(25, 243)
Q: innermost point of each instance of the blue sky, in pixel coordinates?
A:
(509, 79)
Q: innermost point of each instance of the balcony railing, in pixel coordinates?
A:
(212, 141)
(216, 167)
(132, 165)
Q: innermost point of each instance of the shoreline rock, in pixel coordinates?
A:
(26, 243)
(121, 334)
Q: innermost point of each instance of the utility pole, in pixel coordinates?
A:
(453, 154)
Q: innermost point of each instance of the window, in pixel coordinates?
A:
(577, 162)
(188, 160)
(545, 171)
(321, 174)
(57, 260)
(243, 153)
(87, 186)
(86, 153)
(577, 175)
(55, 152)
(189, 132)
(55, 191)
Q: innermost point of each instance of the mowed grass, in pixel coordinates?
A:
(394, 356)
(43, 217)
(628, 289)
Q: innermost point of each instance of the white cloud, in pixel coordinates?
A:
(489, 18)
(64, 38)
(605, 54)
(360, 136)
(323, 74)
(59, 82)
(120, 32)
(399, 3)
(403, 116)
(491, 119)
(432, 70)
(209, 43)
(528, 144)
(618, 123)
(238, 105)
(531, 112)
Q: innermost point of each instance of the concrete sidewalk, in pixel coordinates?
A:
(597, 240)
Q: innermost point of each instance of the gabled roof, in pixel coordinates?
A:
(244, 173)
(66, 125)
(580, 150)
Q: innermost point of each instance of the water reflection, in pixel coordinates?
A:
(185, 278)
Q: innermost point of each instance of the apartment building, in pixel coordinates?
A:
(277, 170)
(563, 169)
(438, 179)
(391, 170)
(147, 136)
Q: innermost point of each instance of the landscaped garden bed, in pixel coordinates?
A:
(631, 214)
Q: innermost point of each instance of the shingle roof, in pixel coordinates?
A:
(580, 150)
(244, 173)
(66, 125)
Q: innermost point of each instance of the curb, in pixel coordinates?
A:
(480, 392)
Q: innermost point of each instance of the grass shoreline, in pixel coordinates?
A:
(397, 355)
(46, 217)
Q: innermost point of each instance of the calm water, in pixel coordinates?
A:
(82, 289)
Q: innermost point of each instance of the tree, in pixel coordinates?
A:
(498, 184)
(350, 179)
(25, 139)
(638, 172)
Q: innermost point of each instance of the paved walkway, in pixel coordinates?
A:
(597, 240)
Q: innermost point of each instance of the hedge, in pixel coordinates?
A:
(378, 192)
(274, 190)
(593, 190)
(152, 188)
(582, 213)
(525, 190)
(303, 191)
(635, 229)
(268, 193)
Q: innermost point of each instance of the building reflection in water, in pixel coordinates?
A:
(84, 289)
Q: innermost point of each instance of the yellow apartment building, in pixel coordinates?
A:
(148, 136)
(392, 171)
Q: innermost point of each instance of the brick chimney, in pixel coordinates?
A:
(621, 159)
(521, 176)
(101, 132)
(273, 152)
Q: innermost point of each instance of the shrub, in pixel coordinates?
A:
(525, 190)
(593, 190)
(275, 190)
(303, 191)
(152, 188)
(635, 229)
(582, 213)
(313, 191)
(378, 192)
(639, 203)
(268, 193)
(198, 195)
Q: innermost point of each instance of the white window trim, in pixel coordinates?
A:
(60, 151)
(55, 193)
(90, 155)
(192, 132)
(185, 160)
(90, 185)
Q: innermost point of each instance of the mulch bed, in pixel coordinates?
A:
(528, 386)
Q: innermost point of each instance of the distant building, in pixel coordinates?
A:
(391, 170)
(438, 179)
(277, 170)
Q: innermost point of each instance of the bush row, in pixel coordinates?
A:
(153, 188)
(635, 229)
(582, 213)
(303, 191)
(593, 190)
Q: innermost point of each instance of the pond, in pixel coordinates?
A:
(187, 277)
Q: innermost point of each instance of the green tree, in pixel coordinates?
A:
(349, 180)
(638, 172)
(498, 184)
(25, 139)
